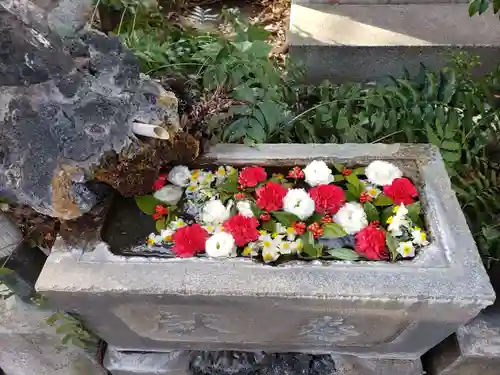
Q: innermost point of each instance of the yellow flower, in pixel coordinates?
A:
(151, 241)
(262, 232)
(395, 209)
(275, 234)
(221, 171)
(192, 187)
(389, 220)
(195, 173)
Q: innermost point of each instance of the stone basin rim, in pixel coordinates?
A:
(461, 275)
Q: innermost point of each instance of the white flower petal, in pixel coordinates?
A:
(244, 208)
(299, 203)
(351, 217)
(214, 212)
(382, 173)
(221, 245)
(179, 175)
(406, 249)
(170, 194)
(317, 173)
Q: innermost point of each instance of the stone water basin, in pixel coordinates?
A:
(391, 310)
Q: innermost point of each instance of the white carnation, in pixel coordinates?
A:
(244, 208)
(382, 173)
(317, 173)
(221, 245)
(179, 175)
(214, 212)
(169, 194)
(351, 217)
(299, 203)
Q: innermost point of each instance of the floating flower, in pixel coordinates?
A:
(406, 249)
(299, 203)
(270, 196)
(245, 208)
(169, 194)
(346, 172)
(370, 243)
(265, 216)
(285, 248)
(221, 245)
(382, 173)
(176, 224)
(214, 212)
(179, 175)
(297, 246)
(251, 176)
(317, 173)
(250, 250)
(166, 235)
(351, 217)
(289, 232)
(316, 230)
(401, 190)
(160, 181)
(399, 221)
(296, 173)
(189, 240)
(270, 245)
(299, 227)
(372, 191)
(327, 198)
(365, 197)
(270, 255)
(419, 237)
(154, 239)
(243, 229)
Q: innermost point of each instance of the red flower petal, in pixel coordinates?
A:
(251, 176)
(189, 240)
(327, 198)
(270, 197)
(370, 243)
(401, 190)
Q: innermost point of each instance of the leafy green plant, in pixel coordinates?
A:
(72, 330)
(481, 6)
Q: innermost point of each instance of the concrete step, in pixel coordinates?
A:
(368, 42)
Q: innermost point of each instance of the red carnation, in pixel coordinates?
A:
(270, 197)
(160, 182)
(189, 240)
(327, 198)
(251, 176)
(370, 243)
(401, 190)
(243, 229)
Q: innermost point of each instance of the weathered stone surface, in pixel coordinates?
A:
(396, 311)
(475, 349)
(251, 363)
(363, 40)
(28, 346)
(130, 363)
(24, 265)
(10, 236)
(66, 113)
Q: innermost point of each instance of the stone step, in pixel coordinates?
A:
(180, 362)
(371, 41)
(475, 349)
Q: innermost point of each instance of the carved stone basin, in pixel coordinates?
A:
(397, 310)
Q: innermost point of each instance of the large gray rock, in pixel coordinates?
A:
(65, 17)
(395, 311)
(65, 108)
(28, 346)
